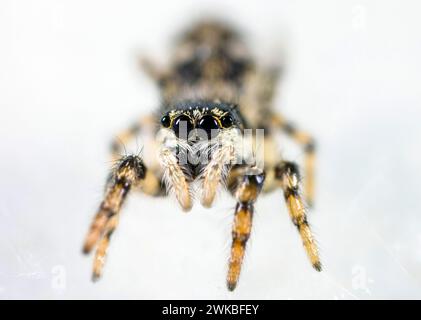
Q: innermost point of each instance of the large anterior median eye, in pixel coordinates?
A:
(208, 123)
(182, 126)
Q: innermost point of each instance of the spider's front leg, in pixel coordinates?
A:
(246, 188)
(288, 175)
(129, 172)
(215, 172)
(175, 174)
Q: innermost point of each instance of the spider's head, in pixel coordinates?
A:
(201, 140)
(199, 121)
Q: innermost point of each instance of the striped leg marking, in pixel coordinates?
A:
(288, 175)
(151, 184)
(246, 193)
(129, 172)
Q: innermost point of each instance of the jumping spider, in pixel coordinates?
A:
(211, 94)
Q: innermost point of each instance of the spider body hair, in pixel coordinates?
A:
(212, 93)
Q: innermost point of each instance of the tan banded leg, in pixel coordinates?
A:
(129, 172)
(101, 251)
(308, 144)
(246, 193)
(151, 184)
(288, 175)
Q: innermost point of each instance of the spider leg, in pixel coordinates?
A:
(101, 251)
(288, 175)
(129, 173)
(246, 192)
(307, 142)
(176, 179)
(216, 170)
(151, 184)
(175, 173)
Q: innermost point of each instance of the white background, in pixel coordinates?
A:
(69, 81)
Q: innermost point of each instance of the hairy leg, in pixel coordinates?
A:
(246, 192)
(146, 127)
(128, 173)
(176, 175)
(223, 156)
(288, 175)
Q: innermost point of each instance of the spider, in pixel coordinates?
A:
(211, 93)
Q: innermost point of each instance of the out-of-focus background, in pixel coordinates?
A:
(69, 80)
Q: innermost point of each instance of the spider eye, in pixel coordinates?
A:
(182, 126)
(227, 121)
(166, 121)
(208, 123)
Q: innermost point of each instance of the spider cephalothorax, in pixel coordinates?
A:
(213, 95)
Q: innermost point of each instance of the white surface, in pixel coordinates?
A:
(69, 81)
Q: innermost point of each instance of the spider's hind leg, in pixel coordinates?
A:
(246, 190)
